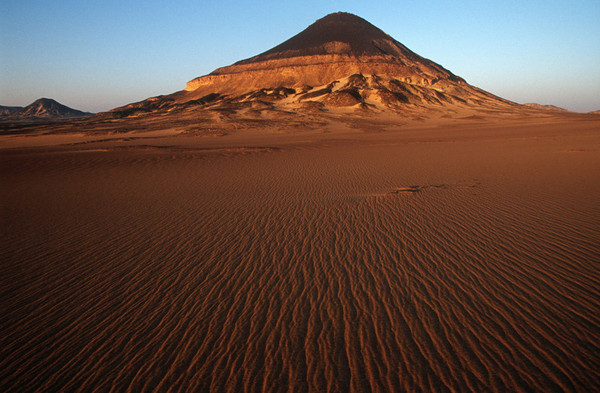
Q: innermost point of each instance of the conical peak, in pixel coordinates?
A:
(44, 101)
(343, 27)
(347, 23)
(335, 46)
(337, 33)
(45, 104)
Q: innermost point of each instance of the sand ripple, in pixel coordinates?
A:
(263, 272)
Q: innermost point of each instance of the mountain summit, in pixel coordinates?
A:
(339, 33)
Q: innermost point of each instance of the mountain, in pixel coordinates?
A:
(339, 63)
(43, 109)
(339, 69)
(343, 52)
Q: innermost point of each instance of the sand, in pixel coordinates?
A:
(462, 258)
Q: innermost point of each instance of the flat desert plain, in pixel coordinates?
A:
(455, 258)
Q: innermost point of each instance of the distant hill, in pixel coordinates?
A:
(43, 109)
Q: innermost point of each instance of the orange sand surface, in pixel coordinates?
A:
(463, 258)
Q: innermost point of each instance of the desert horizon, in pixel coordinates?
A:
(334, 214)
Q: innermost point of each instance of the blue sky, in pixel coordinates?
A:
(97, 55)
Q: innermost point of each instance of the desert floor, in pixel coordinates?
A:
(461, 258)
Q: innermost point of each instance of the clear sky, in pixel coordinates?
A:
(97, 55)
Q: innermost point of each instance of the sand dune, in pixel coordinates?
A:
(437, 260)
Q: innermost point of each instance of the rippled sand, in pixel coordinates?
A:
(385, 262)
